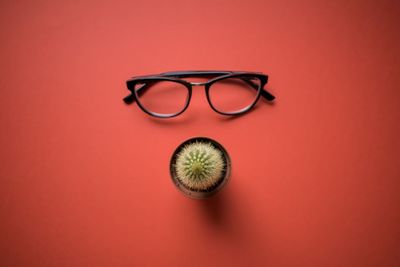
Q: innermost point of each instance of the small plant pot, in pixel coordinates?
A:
(200, 167)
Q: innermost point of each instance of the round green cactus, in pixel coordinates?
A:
(199, 165)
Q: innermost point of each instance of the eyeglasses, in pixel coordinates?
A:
(166, 95)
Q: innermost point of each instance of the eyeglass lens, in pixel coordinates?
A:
(163, 97)
(233, 95)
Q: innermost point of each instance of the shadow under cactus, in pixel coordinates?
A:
(215, 209)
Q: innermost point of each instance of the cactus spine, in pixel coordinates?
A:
(199, 165)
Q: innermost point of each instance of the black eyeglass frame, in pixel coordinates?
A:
(174, 76)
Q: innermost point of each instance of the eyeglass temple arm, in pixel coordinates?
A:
(131, 98)
(195, 73)
(267, 95)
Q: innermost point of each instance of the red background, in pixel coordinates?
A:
(84, 178)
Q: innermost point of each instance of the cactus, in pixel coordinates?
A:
(199, 166)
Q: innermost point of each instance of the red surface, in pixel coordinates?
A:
(84, 178)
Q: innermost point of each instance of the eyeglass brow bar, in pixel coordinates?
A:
(197, 73)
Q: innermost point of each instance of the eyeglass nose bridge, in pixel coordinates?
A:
(198, 83)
